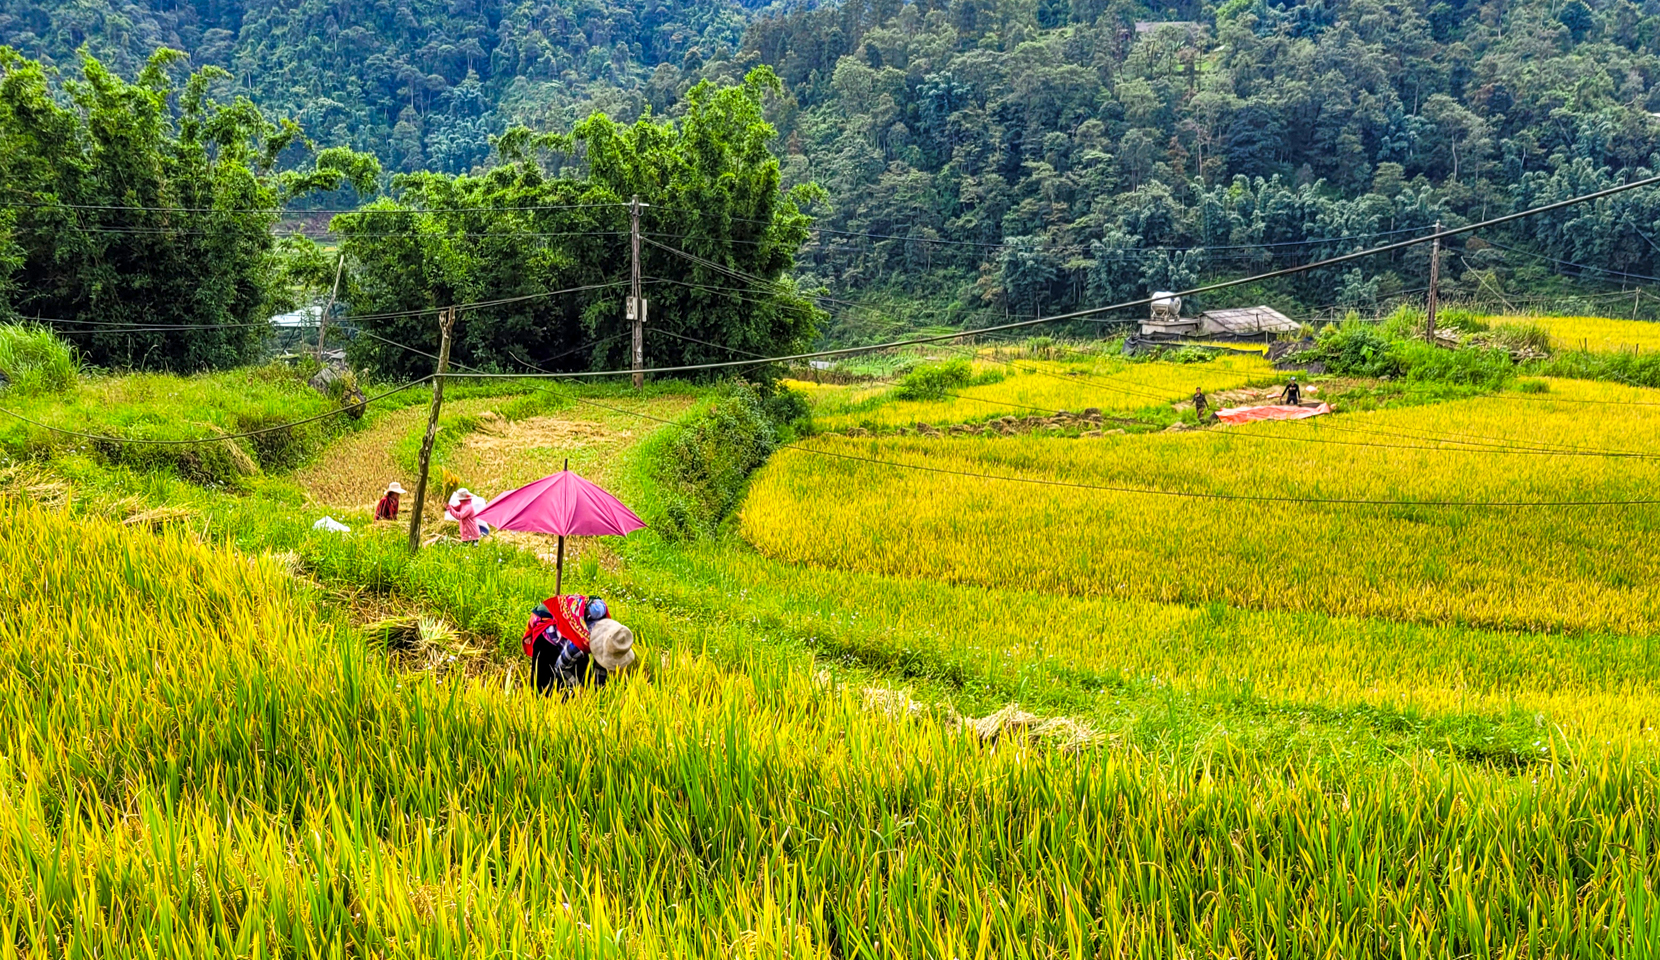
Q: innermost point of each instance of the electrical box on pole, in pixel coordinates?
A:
(636, 308)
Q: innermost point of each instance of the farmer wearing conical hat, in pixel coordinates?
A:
(387, 508)
(573, 642)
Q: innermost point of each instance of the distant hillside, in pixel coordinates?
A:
(1024, 155)
(421, 82)
(1048, 145)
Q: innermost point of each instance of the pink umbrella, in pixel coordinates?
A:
(563, 504)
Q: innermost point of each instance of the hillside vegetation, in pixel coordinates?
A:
(823, 759)
(1026, 157)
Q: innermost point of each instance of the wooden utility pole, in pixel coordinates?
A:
(636, 303)
(446, 323)
(323, 318)
(1434, 285)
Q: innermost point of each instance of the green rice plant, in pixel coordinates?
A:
(241, 777)
(34, 361)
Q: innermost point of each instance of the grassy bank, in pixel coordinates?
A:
(261, 784)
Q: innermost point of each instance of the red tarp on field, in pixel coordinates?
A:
(1247, 414)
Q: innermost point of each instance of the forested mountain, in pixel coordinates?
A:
(1055, 143)
(423, 83)
(1021, 155)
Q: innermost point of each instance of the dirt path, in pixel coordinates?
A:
(498, 456)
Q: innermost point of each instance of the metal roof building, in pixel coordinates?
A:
(1248, 322)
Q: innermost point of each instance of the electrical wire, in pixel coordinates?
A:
(1147, 491)
(117, 327)
(717, 346)
(1578, 266)
(139, 208)
(1144, 301)
(325, 234)
(983, 243)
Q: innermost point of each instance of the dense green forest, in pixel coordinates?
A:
(991, 157)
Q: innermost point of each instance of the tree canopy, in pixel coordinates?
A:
(990, 157)
(543, 237)
(139, 215)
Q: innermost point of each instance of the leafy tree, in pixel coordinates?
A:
(1577, 17)
(721, 238)
(1027, 271)
(141, 232)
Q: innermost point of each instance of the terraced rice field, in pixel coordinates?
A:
(1148, 695)
(1022, 385)
(259, 785)
(1601, 334)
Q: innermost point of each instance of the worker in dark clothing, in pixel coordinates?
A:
(573, 642)
(1200, 405)
(1292, 394)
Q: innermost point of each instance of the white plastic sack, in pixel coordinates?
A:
(331, 525)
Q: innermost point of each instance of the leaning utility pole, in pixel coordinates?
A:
(636, 303)
(1434, 285)
(446, 323)
(323, 318)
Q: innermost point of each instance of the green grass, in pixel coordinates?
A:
(33, 361)
(246, 775)
(247, 779)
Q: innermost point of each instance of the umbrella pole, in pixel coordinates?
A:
(559, 566)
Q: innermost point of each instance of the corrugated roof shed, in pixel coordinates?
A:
(1249, 320)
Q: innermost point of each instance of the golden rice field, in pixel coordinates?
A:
(221, 770)
(1176, 521)
(1106, 382)
(1297, 729)
(1600, 334)
(1598, 688)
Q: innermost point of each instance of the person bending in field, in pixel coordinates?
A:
(387, 508)
(573, 642)
(1292, 394)
(463, 509)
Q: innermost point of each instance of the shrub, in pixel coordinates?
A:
(1172, 354)
(32, 360)
(706, 464)
(1355, 350)
(931, 381)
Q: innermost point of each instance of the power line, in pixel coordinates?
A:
(1578, 266)
(1312, 241)
(1331, 501)
(289, 211)
(325, 234)
(705, 343)
(118, 327)
(1541, 398)
(1080, 314)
